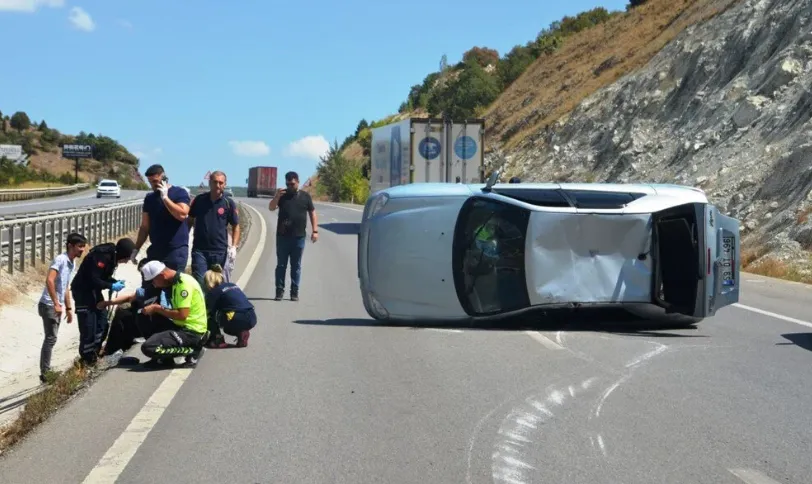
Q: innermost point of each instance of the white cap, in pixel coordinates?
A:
(152, 269)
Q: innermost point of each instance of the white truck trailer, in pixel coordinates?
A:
(419, 150)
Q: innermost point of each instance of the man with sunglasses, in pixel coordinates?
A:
(291, 229)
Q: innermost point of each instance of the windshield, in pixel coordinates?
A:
(108, 184)
(489, 257)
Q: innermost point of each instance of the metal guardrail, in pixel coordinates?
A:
(10, 194)
(64, 211)
(41, 238)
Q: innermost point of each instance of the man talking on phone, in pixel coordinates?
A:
(291, 229)
(164, 221)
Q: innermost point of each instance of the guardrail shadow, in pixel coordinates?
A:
(592, 320)
(341, 228)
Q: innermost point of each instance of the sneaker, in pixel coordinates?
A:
(242, 339)
(194, 358)
(217, 341)
(294, 296)
(279, 294)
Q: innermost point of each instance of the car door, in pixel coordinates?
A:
(696, 251)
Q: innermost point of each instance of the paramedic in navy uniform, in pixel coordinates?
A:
(211, 214)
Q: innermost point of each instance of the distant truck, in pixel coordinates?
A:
(427, 150)
(261, 181)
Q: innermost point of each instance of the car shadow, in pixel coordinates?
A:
(341, 228)
(600, 321)
(801, 340)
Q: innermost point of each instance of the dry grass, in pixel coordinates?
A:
(43, 404)
(39, 184)
(590, 60)
(756, 261)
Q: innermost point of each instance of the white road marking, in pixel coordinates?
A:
(52, 200)
(651, 354)
(444, 330)
(340, 206)
(774, 315)
(545, 341)
(751, 476)
(115, 460)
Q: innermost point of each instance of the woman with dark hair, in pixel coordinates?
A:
(229, 310)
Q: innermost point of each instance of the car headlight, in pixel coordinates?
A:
(377, 204)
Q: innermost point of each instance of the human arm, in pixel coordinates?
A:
(177, 314)
(68, 304)
(190, 218)
(235, 225)
(274, 203)
(314, 220)
(178, 204)
(143, 232)
(127, 298)
(50, 283)
(99, 278)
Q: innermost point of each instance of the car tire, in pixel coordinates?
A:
(658, 315)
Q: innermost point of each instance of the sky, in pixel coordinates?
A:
(227, 85)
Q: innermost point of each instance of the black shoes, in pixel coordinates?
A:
(294, 295)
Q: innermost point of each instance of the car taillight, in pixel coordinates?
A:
(709, 261)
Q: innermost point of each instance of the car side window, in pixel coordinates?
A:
(489, 257)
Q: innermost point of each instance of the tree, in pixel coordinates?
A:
(481, 55)
(460, 98)
(20, 121)
(443, 63)
(43, 126)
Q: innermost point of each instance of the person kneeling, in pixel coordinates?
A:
(188, 314)
(228, 309)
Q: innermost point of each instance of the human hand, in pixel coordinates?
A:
(314, 237)
(102, 304)
(58, 310)
(163, 189)
(117, 286)
(70, 316)
(232, 252)
(151, 309)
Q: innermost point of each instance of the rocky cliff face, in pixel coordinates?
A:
(725, 106)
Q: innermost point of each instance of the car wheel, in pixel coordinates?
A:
(658, 315)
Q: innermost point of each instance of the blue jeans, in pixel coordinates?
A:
(289, 248)
(202, 259)
(175, 259)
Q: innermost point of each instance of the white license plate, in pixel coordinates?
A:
(727, 271)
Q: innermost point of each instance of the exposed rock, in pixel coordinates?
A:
(725, 106)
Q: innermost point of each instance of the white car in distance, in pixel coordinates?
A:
(108, 188)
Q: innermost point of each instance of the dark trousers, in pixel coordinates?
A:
(203, 259)
(232, 323)
(175, 259)
(169, 342)
(50, 325)
(289, 249)
(92, 329)
(127, 325)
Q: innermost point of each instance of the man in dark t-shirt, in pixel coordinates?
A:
(211, 214)
(295, 206)
(164, 221)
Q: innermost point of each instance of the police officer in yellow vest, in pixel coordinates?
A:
(188, 313)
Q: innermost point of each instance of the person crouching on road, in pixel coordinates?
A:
(95, 274)
(228, 308)
(188, 315)
(129, 323)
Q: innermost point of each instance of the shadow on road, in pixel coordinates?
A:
(341, 228)
(802, 340)
(600, 321)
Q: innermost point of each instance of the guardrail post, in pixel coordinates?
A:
(34, 244)
(22, 246)
(43, 241)
(11, 244)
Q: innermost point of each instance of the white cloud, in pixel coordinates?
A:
(311, 147)
(148, 154)
(81, 19)
(249, 148)
(124, 23)
(29, 6)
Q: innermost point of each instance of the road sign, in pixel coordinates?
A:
(77, 151)
(11, 152)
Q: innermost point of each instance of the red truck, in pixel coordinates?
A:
(261, 181)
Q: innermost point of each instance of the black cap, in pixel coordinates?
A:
(124, 248)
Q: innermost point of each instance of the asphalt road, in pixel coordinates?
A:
(324, 394)
(74, 200)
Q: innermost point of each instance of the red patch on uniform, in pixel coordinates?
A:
(221, 210)
(100, 264)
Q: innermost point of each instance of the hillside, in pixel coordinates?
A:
(47, 167)
(530, 85)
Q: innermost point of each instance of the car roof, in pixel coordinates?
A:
(460, 189)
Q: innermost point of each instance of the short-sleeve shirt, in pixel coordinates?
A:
(293, 210)
(212, 218)
(186, 293)
(165, 231)
(64, 268)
